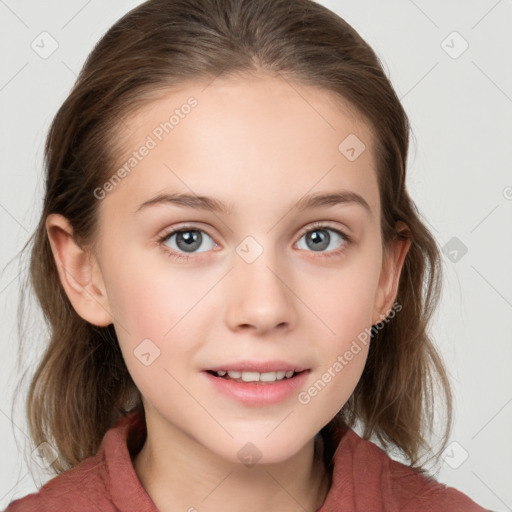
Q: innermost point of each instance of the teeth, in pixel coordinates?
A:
(256, 376)
(268, 377)
(250, 376)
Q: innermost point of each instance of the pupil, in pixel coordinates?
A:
(320, 238)
(191, 238)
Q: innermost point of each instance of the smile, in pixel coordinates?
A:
(245, 376)
(258, 385)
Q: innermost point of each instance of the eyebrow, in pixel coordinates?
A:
(214, 205)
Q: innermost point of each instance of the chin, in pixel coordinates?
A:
(250, 451)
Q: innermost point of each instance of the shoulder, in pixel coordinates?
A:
(104, 481)
(77, 489)
(380, 483)
(413, 490)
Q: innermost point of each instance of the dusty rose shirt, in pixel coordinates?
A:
(364, 479)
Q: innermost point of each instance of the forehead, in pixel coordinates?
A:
(241, 138)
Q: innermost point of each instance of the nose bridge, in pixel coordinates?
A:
(259, 296)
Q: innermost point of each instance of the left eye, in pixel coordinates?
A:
(319, 239)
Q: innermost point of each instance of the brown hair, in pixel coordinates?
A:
(81, 385)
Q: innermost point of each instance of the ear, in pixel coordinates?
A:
(392, 264)
(79, 273)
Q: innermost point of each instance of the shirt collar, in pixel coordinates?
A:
(352, 474)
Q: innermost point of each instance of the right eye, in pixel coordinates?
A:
(185, 240)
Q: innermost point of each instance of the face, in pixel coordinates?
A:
(268, 280)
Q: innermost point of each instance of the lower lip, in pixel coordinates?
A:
(258, 393)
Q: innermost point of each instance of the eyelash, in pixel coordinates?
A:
(315, 227)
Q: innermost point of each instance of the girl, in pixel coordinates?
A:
(204, 354)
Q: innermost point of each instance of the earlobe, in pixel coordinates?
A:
(78, 272)
(390, 275)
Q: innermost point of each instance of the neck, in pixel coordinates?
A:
(184, 475)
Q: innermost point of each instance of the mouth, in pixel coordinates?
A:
(257, 383)
(256, 377)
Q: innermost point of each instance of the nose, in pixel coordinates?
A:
(260, 296)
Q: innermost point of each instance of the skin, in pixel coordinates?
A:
(258, 144)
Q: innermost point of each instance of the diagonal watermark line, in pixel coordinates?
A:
(69, 68)
(76, 14)
(199, 403)
(279, 423)
(213, 286)
(504, 298)
(10, 282)
(491, 490)
(2, 2)
(290, 84)
(484, 218)
(13, 218)
(214, 78)
(491, 419)
(12, 421)
(217, 486)
(424, 14)
(420, 80)
(491, 80)
(498, 2)
(14, 486)
(14, 76)
(286, 490)
(333, 333)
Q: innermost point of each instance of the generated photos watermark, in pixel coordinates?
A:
(344, 359)
(152, 140)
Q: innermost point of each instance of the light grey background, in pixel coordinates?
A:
(460, 176)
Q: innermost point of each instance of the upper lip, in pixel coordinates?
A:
(258, 366)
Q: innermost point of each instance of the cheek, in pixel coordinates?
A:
(140, 301)
(155, 320)
(344, 298)
(335, 379)
(344, 302)
(159, 310)
(150, 296)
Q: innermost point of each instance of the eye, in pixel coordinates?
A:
(319, 238)
(185, 240)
